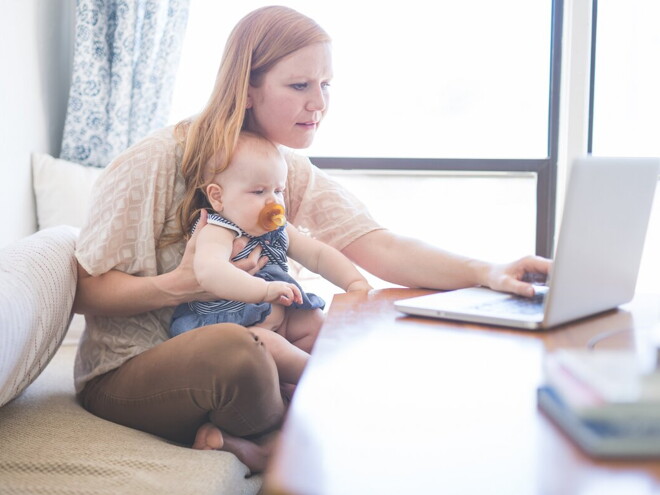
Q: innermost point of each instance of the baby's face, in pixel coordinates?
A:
(255, 177)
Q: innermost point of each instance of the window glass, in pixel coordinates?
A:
(486, 216)
(447, 79)
(627, 79)
(627, 99)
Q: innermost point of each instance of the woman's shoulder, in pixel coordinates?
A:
(301, 171)
(163, 139)
(159, 149)
(148, 169)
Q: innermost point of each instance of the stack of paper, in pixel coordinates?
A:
(607, 401)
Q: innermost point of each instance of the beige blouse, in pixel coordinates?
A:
(134, 204)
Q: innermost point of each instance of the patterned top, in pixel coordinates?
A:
(274, 245)
(144, 186)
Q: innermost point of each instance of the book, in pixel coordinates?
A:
(608, 402)
(609, 439)
(605, 385)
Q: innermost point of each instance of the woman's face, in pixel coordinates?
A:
(292, 99)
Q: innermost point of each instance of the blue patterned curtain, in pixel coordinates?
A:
(125, 60)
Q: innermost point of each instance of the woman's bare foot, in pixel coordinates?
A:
(208, 437)
(254, 454)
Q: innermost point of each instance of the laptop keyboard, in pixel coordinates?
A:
(514, 305)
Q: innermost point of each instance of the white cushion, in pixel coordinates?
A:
(37, 285)
(61, 190)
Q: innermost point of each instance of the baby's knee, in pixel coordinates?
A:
(306, 329)
(316, 321)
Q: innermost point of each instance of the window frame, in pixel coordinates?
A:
(592, 76)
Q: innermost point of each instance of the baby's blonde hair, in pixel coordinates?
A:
(245, 138)
(259, 40)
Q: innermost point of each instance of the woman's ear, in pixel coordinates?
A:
(214, 194)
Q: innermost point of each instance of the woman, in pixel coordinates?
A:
(217, 387)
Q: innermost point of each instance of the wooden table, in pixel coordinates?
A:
(391, 404)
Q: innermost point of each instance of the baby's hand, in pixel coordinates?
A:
(359, 285)
(283, 293)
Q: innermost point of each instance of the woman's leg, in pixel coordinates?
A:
(220, 374)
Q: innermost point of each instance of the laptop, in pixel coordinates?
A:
(606, 213)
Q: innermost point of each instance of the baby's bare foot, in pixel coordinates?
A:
(287, 390)
(208, 437)
(254, 454)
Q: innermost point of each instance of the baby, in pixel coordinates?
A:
(247, 199)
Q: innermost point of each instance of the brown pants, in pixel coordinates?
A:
(220, 373)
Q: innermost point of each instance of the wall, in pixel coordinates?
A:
(36, 52)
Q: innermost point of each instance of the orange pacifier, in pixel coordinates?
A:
(272, 216)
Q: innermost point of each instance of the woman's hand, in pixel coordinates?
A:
(516, 277)
(254, 261)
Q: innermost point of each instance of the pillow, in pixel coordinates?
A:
(37, 286)
(61, 190)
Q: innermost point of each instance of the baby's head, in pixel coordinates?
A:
(256, 176)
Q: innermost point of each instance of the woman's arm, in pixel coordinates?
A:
(116, 293)
(397, 259)
(413, 263)
(325, 260)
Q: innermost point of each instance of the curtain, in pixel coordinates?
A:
(125, 59)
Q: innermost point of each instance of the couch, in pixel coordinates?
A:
(48, 442)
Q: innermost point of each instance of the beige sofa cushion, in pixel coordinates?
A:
(37, 286)
(50, 445)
